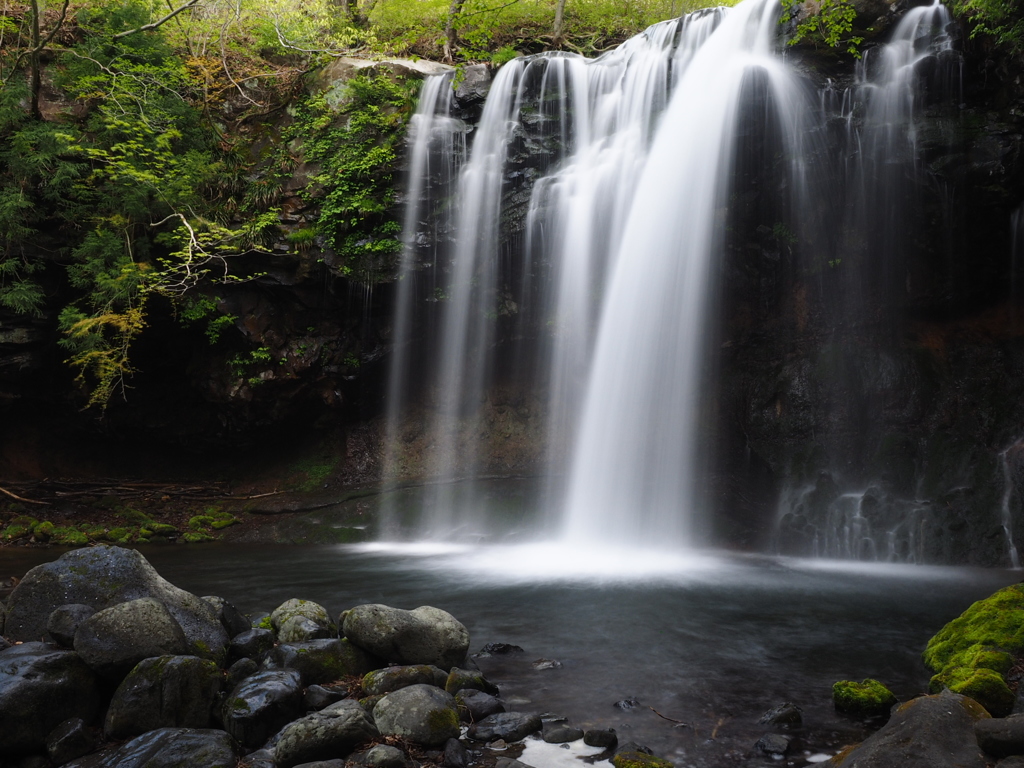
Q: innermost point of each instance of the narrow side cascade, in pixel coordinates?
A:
(1006, 507)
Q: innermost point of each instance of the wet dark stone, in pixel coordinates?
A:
(773, 744)
(71, 739)
(561, 734)
(509, 726)
(1001, 737)
(261, 705)
(599, 737)
(475, 705)
(238, 671)
(317, 697)
(455, 754)
(65, 621)
(784, 714)
(252, 644)
(627, 704)
(500, 649)
(168, 748)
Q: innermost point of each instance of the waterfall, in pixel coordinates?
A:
(557, 320)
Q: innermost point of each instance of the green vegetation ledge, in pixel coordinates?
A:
(639, 760)
(972, 654)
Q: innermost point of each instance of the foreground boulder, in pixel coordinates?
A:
(508, 726)
(168, 748)
(321, 661)
(425, 635)
(929, 732)
(295, 621)
(41, 687)
(261, 705)
(101, 577)
(164, 692)
(422, 714)
(381, 681)
(332, 733)
(114, 640)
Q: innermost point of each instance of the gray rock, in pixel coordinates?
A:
(101, 577)
(561, 734)
(296, 621)
(1001, 737)
(323, 764)
(317, 697)
(230, 618)
(261, 705)
(238, 671)
(167, 748)
(475, 705)
(391, 679)
(423, 714)
(784, 714)
(71, 739)
(773, 744)
(1011, 762)
(252, 644)
(262, 758)
(425, 635)
(509, 726)
(333, 732)
(114, 640)
(41, 686)
(474, 84)
(461, 679)
(65, 621)
(928, 732)
(163, 692)
(600, 737)
(455, 754)
(382, 756)
(508, 762)
(321, 661)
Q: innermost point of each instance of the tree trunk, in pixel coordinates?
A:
(451, 37)
(34, 63)
(559, 19)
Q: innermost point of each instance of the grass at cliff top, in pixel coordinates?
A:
(486, 26)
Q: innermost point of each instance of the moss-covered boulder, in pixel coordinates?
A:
(639, 760)
(299, 620)
(422, 714)
(972, 653)
(380, 681)
(868, 698)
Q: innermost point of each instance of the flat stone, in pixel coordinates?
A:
(1001, 737)
(510, 726)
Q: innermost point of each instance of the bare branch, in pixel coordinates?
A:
(155, 24)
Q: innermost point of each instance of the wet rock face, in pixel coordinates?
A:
(115, 639)
(928, 732)
(41, 686)
(335, 731)
(261, 705)
(168, 748)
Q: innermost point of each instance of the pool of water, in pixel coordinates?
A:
(706, 643)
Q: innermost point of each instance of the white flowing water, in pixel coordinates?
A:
(615, 178)
(632, 478)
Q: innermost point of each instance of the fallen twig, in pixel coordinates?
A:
(19, 498)
(680, 722)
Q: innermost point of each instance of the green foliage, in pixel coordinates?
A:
(201, 308)
(1002, 20)
(831, 25)
(356, 147)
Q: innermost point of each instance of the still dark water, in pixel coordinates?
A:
(714, 642)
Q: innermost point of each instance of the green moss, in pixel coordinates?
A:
(19, 528)
(212, 519)
(161, 529)
(864, 699)
(639, 760)
(265, 623)
(69, 536)
(442, 721)
(43, 530)
(120, 535)
(195, 537)
(971, 654)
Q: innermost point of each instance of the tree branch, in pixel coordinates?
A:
(155, 24)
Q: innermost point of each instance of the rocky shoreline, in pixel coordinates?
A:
(108, 664)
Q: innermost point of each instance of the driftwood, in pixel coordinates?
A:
(55, 490)
(20, 498)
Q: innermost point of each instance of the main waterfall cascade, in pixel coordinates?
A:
(559, 280)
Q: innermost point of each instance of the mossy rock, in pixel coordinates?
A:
(868, 698)
(69, 535)
(972, 653)
(213, 519)
(640, 760)
(985, 686)
(161, 529)
(19, 528)
(197, 537)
